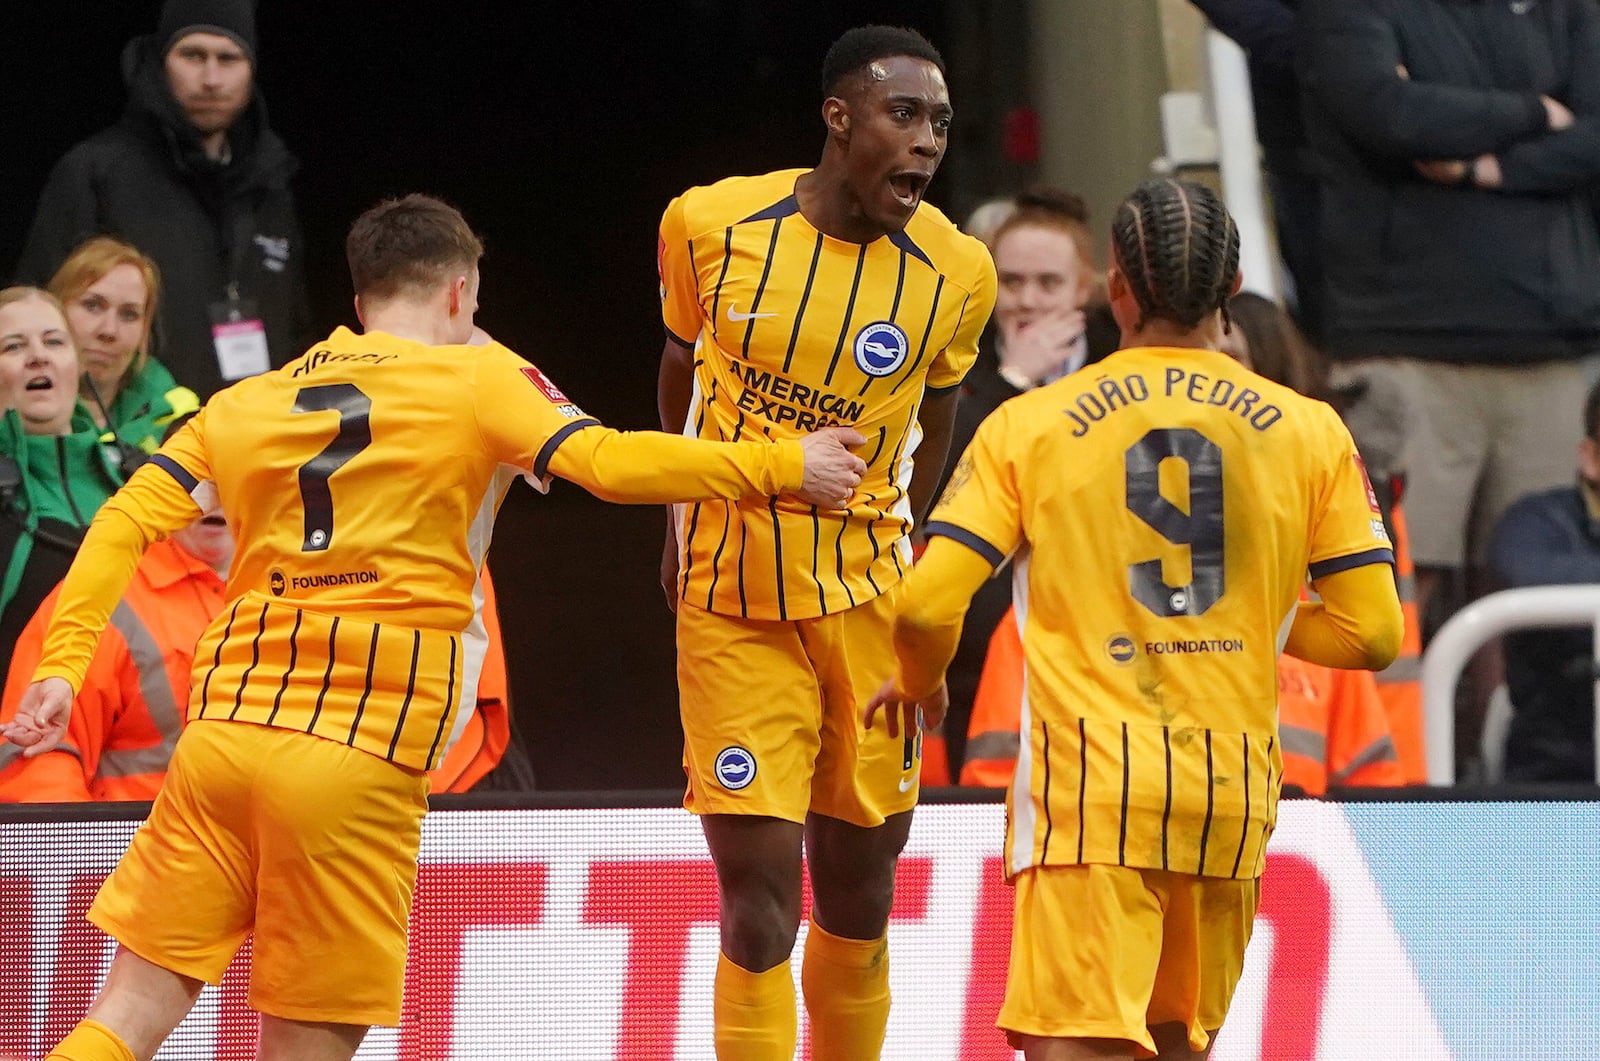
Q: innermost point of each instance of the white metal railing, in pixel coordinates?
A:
(1467, 631)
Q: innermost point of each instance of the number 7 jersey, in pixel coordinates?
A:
(362, 482)
(1165, 508)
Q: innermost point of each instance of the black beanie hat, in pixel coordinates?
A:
(234, 19)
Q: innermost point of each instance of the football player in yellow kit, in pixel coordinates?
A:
(362, 481)
(833, 295)
(1163, 511)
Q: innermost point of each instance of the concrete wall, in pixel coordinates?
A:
(1099, 70)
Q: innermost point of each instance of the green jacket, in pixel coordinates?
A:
(148, 402)
(64, 478)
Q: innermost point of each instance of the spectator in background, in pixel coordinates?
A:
(54, 472)
(110, 292)
(127, 716)
(1044, 260)
(1553, 539)
(986, 219)
(1458, 145)
(194, 178)
(1265, 29)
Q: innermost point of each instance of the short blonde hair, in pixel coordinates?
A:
(22, 292)
(93, 259)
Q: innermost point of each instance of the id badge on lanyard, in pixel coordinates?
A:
(239, 337)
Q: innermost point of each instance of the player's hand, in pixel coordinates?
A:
(669, 562)
(832, 471)
(41, 719)
(900, 710)
(1040, 348)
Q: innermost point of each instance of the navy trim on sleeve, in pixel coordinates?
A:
(967, 538)
(541, 463)
(177, 471)
(687, 344)
(1324, 568)
(941, 390)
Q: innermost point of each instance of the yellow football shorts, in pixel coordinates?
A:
(1107, 952)
(771, 716)
(306, 843)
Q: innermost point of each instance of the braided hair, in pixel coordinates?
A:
(1179, 249)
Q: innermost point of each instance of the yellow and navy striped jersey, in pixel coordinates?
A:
(361, 481)
(794, 330)
(1165, 509)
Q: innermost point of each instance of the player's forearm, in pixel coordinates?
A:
(1357, 625)
(94, 584)
(152, 503)
(674, 386)
(649, 467)
(931, 608)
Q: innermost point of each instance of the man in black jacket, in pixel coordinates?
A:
(1458, 146)
(193, 177)
(1553, 539)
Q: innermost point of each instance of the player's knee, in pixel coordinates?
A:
(852, 900)
(759, 930)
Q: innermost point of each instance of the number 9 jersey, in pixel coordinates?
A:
(1165, 508)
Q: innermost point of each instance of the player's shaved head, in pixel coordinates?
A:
(414, 243)
(854, 55)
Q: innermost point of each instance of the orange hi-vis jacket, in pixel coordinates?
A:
(1332, 728)
(1400, 686)
(126, 719)
(1331, 723)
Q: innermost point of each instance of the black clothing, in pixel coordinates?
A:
(1549, 539)
(1452, 273)
(209, 225)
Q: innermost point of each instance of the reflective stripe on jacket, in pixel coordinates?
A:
(127, 717)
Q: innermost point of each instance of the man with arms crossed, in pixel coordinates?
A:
(792, 300)
(362, 481)
(1165, 510)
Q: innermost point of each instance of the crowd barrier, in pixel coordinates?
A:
(1388, 931)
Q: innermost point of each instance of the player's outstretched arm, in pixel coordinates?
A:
(649, 467)
(1357, 625)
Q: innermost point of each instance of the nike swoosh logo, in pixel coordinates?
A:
(735, 316)
(906, 783)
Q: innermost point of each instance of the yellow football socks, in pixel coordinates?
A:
(846, 984)
(754, 1013)
(91, 1041)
